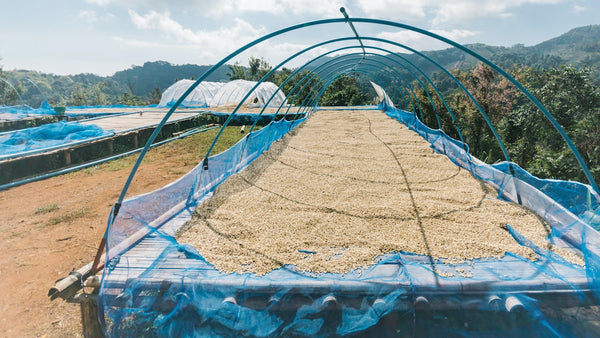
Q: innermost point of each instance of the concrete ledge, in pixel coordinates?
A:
(28, 122)
(19, 168)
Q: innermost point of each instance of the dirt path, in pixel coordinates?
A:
(50, 227)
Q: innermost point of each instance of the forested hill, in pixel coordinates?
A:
(579, 47)
(144, 84)
(141, 80)
(136, 85)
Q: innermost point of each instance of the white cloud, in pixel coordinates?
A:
(209, 45)
(434, 11)
(442, 11)
(398, 10)
(578, 9)
(227, 7)
(136, 43)
(461, 10)
(223, 8)
(422, 42)
(101, 3)
(90, 16)
(314, 7)
(275, 53)
(238, 31)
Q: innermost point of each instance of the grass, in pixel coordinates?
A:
(46, 209)
(191, 150)
(68, 217)
(194, 147)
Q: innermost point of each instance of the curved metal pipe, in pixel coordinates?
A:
(363, 20)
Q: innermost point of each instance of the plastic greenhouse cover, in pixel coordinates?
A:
(162, 288)
(221, 94)
(234, 91)
(200, 96)
(48, 136)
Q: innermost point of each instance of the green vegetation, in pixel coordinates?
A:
(531, 141)
(563, 73)
(69, 217)
(578, 47)
(139, 85)
(143, 84)
(346, 91)
(196, 146)
(257, 69)
(193, 148)
(46, 208)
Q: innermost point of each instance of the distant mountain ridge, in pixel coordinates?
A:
(579, 46)
(162, 74)
(91, 89)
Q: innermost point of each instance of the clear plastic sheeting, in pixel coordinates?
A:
(200, 96)
(234, 91)
(12, 113)
(48, 136)
(382, 95)
(153, 286)
(216, 94)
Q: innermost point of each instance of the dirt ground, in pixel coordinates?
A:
(50, 227)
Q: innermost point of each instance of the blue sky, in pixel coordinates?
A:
(105, 36)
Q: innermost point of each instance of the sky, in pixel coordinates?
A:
(104, 36)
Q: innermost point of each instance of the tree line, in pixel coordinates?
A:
(567, 92)
(138, 85)
(303, 87)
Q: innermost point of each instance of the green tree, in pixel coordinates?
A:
(257, 68)
(496, 97)
(297, 97)
(573, 99)
(344, 91)
(78, 96)
(96, 95)
(130, 100)
(155, 96)
(432, 113)
(236, 72)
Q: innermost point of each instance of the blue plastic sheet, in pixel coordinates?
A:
(20, 112)
(172, 290)
(49, 136)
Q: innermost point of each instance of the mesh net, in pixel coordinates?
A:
(11, 113)
(48, 136)
(154, 285)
